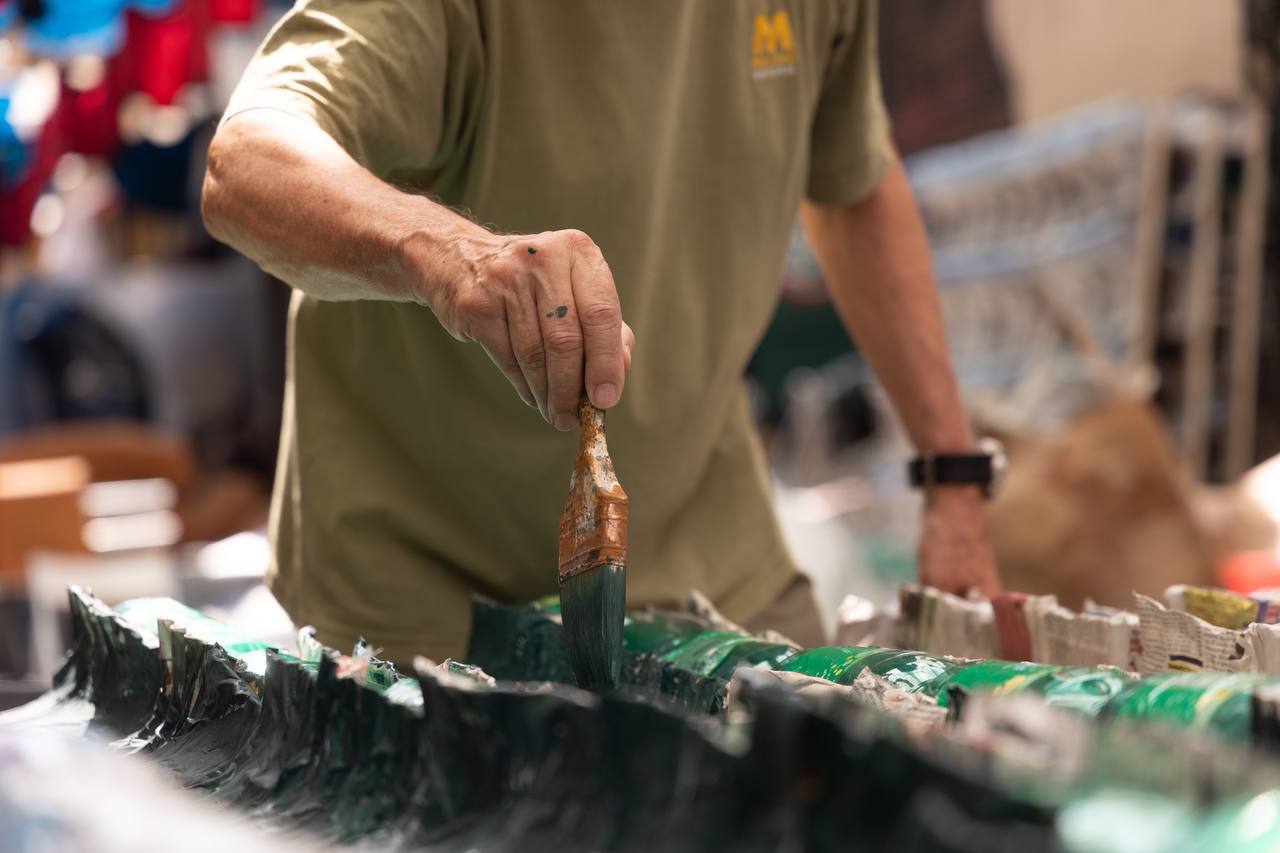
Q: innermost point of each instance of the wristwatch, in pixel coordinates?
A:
(984, 467)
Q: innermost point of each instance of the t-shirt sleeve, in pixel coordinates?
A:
(850, 148)
(387, 79)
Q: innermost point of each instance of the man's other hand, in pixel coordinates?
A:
(545, 309)
(955, 546)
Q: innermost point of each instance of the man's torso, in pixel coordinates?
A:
(676, 135)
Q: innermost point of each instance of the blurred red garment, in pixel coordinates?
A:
(92, 109)
(169, 51)
(234, 11)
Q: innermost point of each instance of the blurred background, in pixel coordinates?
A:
(1097, 178)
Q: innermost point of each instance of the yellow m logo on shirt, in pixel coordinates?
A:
(773, 43)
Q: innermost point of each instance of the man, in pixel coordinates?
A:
(489, 208)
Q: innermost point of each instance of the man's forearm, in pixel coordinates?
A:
(875, 259)
(543, 306)
(285, 194)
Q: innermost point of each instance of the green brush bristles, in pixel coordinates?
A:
(592, 606)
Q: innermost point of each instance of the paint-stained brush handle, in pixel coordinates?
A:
(593, 526)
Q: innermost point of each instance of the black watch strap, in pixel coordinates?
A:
(952, 468)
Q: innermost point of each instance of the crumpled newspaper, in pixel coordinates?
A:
(1037, 628)
(917, 712)
(938, 622)
(1181, 641)
(699, 605)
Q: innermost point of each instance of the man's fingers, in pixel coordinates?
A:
(558, 317)
(497, 346)
(527, 345)
(546, 310)
(600, 318)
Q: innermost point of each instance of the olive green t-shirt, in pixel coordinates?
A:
(681, 136)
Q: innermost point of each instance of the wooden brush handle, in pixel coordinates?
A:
(592, 445)
(592, 420)
(593, 525)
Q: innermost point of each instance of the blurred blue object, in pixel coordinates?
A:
(67, 28)
(70, 28)
(14, 152)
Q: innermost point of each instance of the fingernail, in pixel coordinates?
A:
(564, 423)
(604, 395)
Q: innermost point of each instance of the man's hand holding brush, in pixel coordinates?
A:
(546, 310)
(543, 306)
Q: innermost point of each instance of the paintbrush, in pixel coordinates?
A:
(593, 558)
